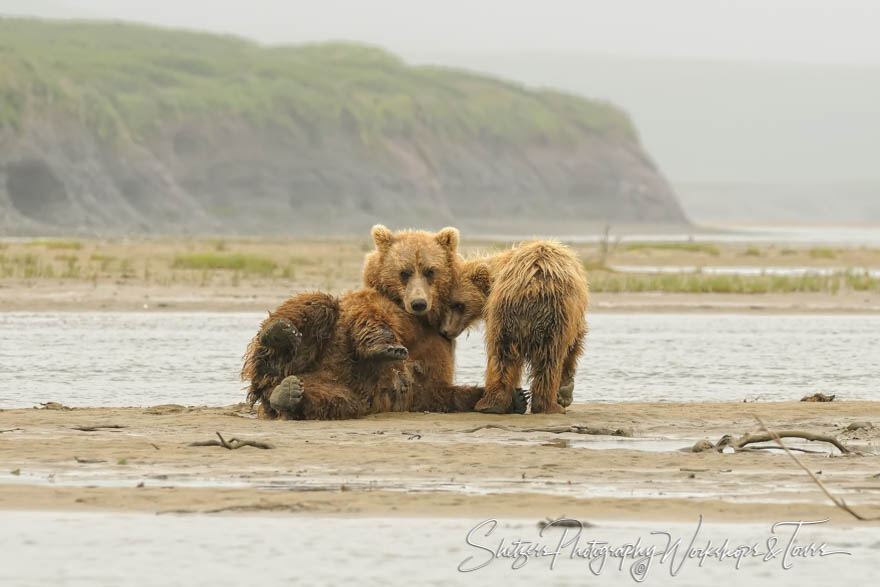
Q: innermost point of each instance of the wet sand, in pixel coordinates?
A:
(437, 465)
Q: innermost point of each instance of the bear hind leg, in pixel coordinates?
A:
(546, 375)
(569, 366)
(503, 374)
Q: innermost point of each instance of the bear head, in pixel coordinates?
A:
(414, 269)
(467, 300)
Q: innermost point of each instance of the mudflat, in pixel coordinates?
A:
(415, 464)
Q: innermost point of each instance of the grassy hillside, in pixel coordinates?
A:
(123, 80)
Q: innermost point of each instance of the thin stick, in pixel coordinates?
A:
(223, 443)
(574, 429)
(836, 500)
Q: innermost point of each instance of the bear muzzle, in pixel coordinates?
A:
(418, 306)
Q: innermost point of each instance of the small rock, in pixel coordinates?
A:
(859, 426)
(702, 445)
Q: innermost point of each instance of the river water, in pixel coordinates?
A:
(115, 550)
(139, 359)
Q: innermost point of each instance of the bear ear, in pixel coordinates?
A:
(480, 278)
(448, 238)
(382, 237)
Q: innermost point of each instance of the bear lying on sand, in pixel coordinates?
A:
(373, 350)
(534, 308)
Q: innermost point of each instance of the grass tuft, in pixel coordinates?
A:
(738, 284)
(822, 253)
(689, 247)
(74, 245)
(235, 262)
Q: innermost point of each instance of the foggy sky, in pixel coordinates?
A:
(841, 31)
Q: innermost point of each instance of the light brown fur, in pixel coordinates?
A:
(535, 313)
(382, 350)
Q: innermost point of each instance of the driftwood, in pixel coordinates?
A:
(54, 406)
(11, 430)
(752, 438)
(574, 429)
(89, 461)
(97, 428)
(836, 500)
(818, 397)
(232, 444)
(563, 522)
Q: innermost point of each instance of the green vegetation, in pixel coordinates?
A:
(690, 247)
(56, 244)
(752, 252)
(746, 284)
(822, 253)
(125, 80)
(237, 262)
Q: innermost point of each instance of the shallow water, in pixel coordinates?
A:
(98, 549)
(139, 359)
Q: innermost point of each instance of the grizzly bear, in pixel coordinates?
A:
(534, 305)
(376, 349)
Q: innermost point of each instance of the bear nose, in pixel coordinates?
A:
(419, 305)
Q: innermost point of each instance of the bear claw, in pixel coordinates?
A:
(280, 334)
(287, 395)
(389, 352)
(521, 399)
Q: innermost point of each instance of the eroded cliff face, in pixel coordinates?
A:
(226, 176)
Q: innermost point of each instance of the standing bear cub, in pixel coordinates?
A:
(372, 350)
(534, 303)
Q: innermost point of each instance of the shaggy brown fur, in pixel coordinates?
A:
(535, 311)
(373, 350)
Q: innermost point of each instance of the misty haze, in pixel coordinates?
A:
(409, 292)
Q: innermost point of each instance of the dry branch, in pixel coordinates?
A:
(753, 438)
(574, 429)
(836, 500)
(232, 444)
(97, 428)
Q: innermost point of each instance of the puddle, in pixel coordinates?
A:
(615, 443)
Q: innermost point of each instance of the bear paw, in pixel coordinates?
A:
(491, 407)
(521, 399)
(565, 395)
(388, 352)
(280, 334)
(287, 395)
(553, 408)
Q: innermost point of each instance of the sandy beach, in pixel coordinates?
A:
(216, 275)
(53, 296)
(139, 459)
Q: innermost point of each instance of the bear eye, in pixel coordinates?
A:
(458, 307)
(404, 275)
(429, 273)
